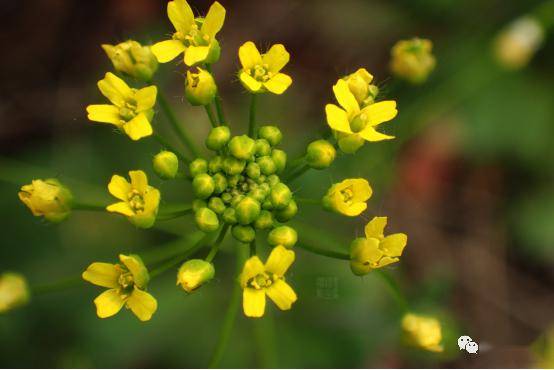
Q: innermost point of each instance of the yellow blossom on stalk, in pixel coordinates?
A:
(47, 198)
(376, 250)
(132, 58)
(412, 59)
(354, 123)
(14, 291)
(131, 109)
(348, 197)
(139, 201)
(423, 332)
(518, 42)
(359, 84)
(126, 283)
(195, 37)
(261, 73)
(258, 280)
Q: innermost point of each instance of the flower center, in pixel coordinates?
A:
(260, 72)
(347, 195)
(195, 36)
(126, 280)
(136, 201)
(260, 281)
(359, 122)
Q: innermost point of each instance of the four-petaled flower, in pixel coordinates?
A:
(193, 37)
(131, 109)
(258, 280)
(423, 331)
(47, 198)
(139, 201)
(126, 282)
(261, 73)
(348, 197)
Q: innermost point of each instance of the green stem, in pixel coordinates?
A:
(252, 119)
(183, 135)
(170, 215)
(217, 243)
(264, 334)
(231, 314)
(393, 287)
(208, 109)
(88, 207)
(308, 201)
(170, 147)
(217, 101)
(57, 286)
(253, 248)
(324, 252)
(297, 173)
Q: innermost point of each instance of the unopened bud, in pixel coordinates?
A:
(280, 196)
(198, 166)
(262, 147)
(216, 164)
(279, 157)
(242, 147)
(233, 166)
(230, 216)
(133, 59)
(320, 154)
(195, 273)
(248, 209)
(216, 205)
(358, 84)
(412, 59)
(253, 170)
(271, 133)
(166, 164)
(244, 234)
(287, 213)
(200, 87)
(283, 235)
(267, 165)
(206, 220)
(203, 186)
(218, 138)
(14, 291)
(350, 144)
(264, 220)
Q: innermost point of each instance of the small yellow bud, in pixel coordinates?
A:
(280, 196)
(233, 166)
(358, 84)
(350, 143)
(195, 273)
(287, 213)
(244, 234)
(267, 165)
(200, 87)
(133, 59)
(282, 235)
(218, 137)
(279, 158)
(166, 164)
(423, 332)
(264, 220)
(206, 220)
(203, 185)
(47, 198)
(320, 154)
(271, 133)
(242, 147)
(518, 42)
(247, 210)
(412, 59)
(14, 291)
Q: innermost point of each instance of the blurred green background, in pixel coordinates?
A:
(469, 179)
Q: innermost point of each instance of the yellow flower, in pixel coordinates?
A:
(376, 250)
(518, 42)
(139, 201)
(195, 273)
(359, 84)
(48, 198)
(14, 291)
(348, 197)
(258, 280)
(126, 282)
(261, 73)
(423, 332)
(131, 109)
(132, 58)
(193, 37)
(353, 121)
(412, 59)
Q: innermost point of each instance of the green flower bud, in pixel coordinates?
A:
(253, 170)
(230, 216)
(264, 220)
(216, 205)
(200, 87)
(242, 147)
(198, 203)
(266, 187)
(198, 166)
(258, 194)
(280, 159)
(14, 291)
(320, 154)
(216, 164)
(283, 235)
(226, 198)
(203, 185)
(267, 166)
(233, 166)
(272, 180)
(359, 122)
(350, 144)
(248, 209)
(271, 133)
(195, 273)
(236, 200)
(233, 180)
(220, 183)
(267, 205)
(166, 165)
(243, 234)
(218, 138)
(206, 220)
(262, 147)
(288, 213)
(280, 196)
(358, 84)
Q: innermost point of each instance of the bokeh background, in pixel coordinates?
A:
(469, 179)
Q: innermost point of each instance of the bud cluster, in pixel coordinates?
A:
(240, 186)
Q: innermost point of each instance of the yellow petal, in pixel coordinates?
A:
(121, 208)
(352, 210)
(276, 58)
(146, 98)
(166, 51)
(385, 261)
(279, 260)
(135, 265)
(376, 228)
(249, 82)
(139, 181)
(181, 16)
(253, 302)
(142, 304)
(394, 244)
(196, 54)
(252, 267)
(282, 294)
(366, 251)
(249, 55)
(115, 89)
(214, 20)
(361, 189)
(105, 113)
(152, 201)
(345, 98)
(278, 83)
(108, 303)
(102, 274)
(370, 134)
(380, 112)
(138, 127)
(337, 118)
(119, 187)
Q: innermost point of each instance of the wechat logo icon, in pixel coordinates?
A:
(465, 342)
